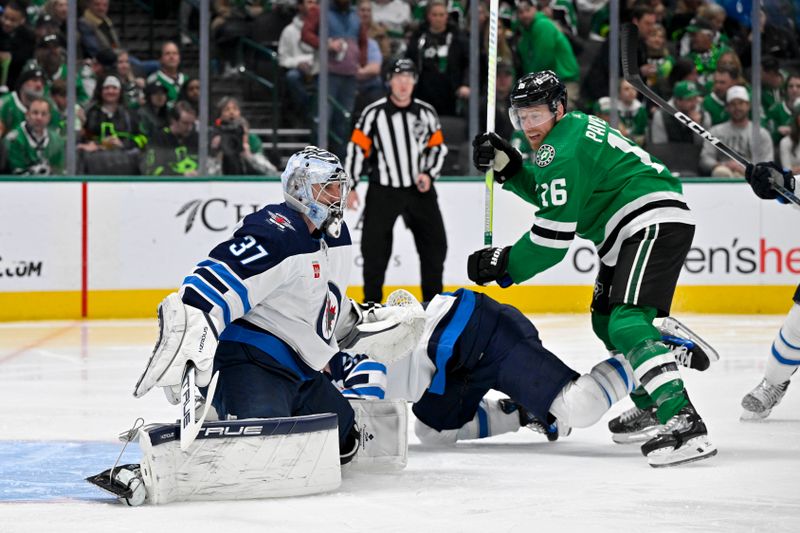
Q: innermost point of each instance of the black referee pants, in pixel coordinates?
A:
(422, 216)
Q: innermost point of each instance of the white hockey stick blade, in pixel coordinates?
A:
(679, 329)
(189, 426)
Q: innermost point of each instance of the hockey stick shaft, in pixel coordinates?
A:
(190, 427)
(491, 93)
(630, 42)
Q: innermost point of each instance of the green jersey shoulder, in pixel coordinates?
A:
(588, 180)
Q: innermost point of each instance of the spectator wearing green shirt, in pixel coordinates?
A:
(714, 103)
(33, 148)
(168, 73)
(172, 151)
(703, 51)
(773, 83)
(659, 61)
(779, 116)
(14, 106)
(632, 113)
(542, 46)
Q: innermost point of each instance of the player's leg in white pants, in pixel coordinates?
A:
(584, 401)
(782, 362)
(580, 403)
(784, 357)
(490, 419)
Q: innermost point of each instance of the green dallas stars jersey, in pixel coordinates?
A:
(27, 156)
(590, 181)
(172, 85)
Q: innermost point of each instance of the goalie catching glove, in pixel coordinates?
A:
(762, 176)
(186, 335)
(386, 333)
(491, 150)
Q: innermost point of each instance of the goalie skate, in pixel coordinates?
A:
(689, 349)
(683, 439)
(125, 482)
(634, 425)
(759, 402)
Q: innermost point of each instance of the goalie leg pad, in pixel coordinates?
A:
(242, 459)
(383, 430)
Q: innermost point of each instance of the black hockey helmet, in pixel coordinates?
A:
(536, 88)
(399, 65)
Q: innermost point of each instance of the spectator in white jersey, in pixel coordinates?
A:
(398, 143)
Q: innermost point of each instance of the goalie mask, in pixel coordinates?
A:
(536, 89)
(324, 204)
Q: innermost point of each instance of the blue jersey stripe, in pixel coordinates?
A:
(232, 281)
(270, 345)
(453, 330)
(209, 292)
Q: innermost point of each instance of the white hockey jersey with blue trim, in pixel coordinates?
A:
(275, 275)
(409, 377)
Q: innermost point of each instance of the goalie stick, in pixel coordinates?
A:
(629, 44)
(190, 427)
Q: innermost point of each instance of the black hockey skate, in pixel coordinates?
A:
(688, 348)
(634, 425)
(550, 429)
(683, 439)
(124, 482)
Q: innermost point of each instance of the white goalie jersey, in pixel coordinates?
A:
(272, 279)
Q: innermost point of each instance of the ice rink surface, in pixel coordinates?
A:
(65, 393)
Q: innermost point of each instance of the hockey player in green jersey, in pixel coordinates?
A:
(588, 180)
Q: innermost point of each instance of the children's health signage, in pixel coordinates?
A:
(114, 249)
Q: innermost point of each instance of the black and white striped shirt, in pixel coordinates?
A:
(393, 145)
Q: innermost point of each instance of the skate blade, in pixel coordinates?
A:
(678, 328)
(695, 449)
(635, 437)
(752, 416)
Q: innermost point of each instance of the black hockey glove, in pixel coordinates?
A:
(491, 150)
(489, 264)
(761, 176)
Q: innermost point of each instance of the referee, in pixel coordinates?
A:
(398, 143)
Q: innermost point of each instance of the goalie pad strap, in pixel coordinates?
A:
(242, 459)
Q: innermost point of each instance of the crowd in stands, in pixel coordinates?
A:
(141, 113)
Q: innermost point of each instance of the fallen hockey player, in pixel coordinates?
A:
(471, 344)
